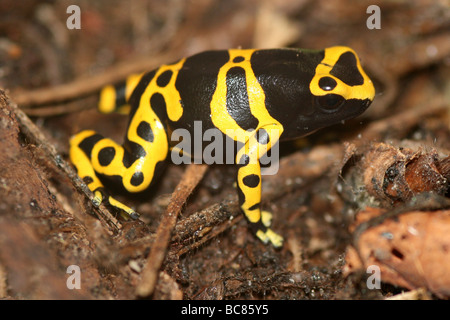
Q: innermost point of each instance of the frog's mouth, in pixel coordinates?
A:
(324, 118)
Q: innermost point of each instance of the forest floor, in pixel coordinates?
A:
(352, 201)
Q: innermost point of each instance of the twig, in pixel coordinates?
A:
(192, 176)
(56, 110)
(86, 85)
(209, 236)
(206, 218)
(35, 136)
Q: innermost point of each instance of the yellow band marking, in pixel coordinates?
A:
(361, 92)
(219, 114)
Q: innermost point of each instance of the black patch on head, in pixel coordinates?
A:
(327, 83)
(137, 178)
(285, 75)
(262, 136)
(106, 156)
(144, 131)
(346, 70)
(164, 78)
(238, 59)
(238, 105)
(88, 144)
(251, 181)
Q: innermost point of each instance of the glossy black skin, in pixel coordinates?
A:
(284, 75)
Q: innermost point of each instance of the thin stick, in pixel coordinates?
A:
(192, 176)
(56, 110)
(86, 85)
(209, 236)
(37, 137)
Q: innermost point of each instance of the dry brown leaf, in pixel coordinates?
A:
(396, 174)
(412, 250)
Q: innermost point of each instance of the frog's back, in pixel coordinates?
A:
(245, 88)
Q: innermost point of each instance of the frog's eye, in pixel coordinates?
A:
(330, 102)
(327, 83)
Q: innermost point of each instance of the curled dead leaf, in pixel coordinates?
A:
(396, 174)
(412, 250)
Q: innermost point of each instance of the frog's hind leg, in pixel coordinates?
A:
(81, 146)
(132, 164)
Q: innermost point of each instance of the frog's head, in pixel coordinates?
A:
(340, 90)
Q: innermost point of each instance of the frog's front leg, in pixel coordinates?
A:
(249, 182)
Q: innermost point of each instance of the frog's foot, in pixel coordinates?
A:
(269, 235)
(100, 195)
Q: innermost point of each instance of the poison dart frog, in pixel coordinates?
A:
(263, 95)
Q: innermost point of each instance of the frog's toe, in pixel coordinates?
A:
(125, 211)
(274, 238)
(266, 218)
(100, 195)
(270, 236)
